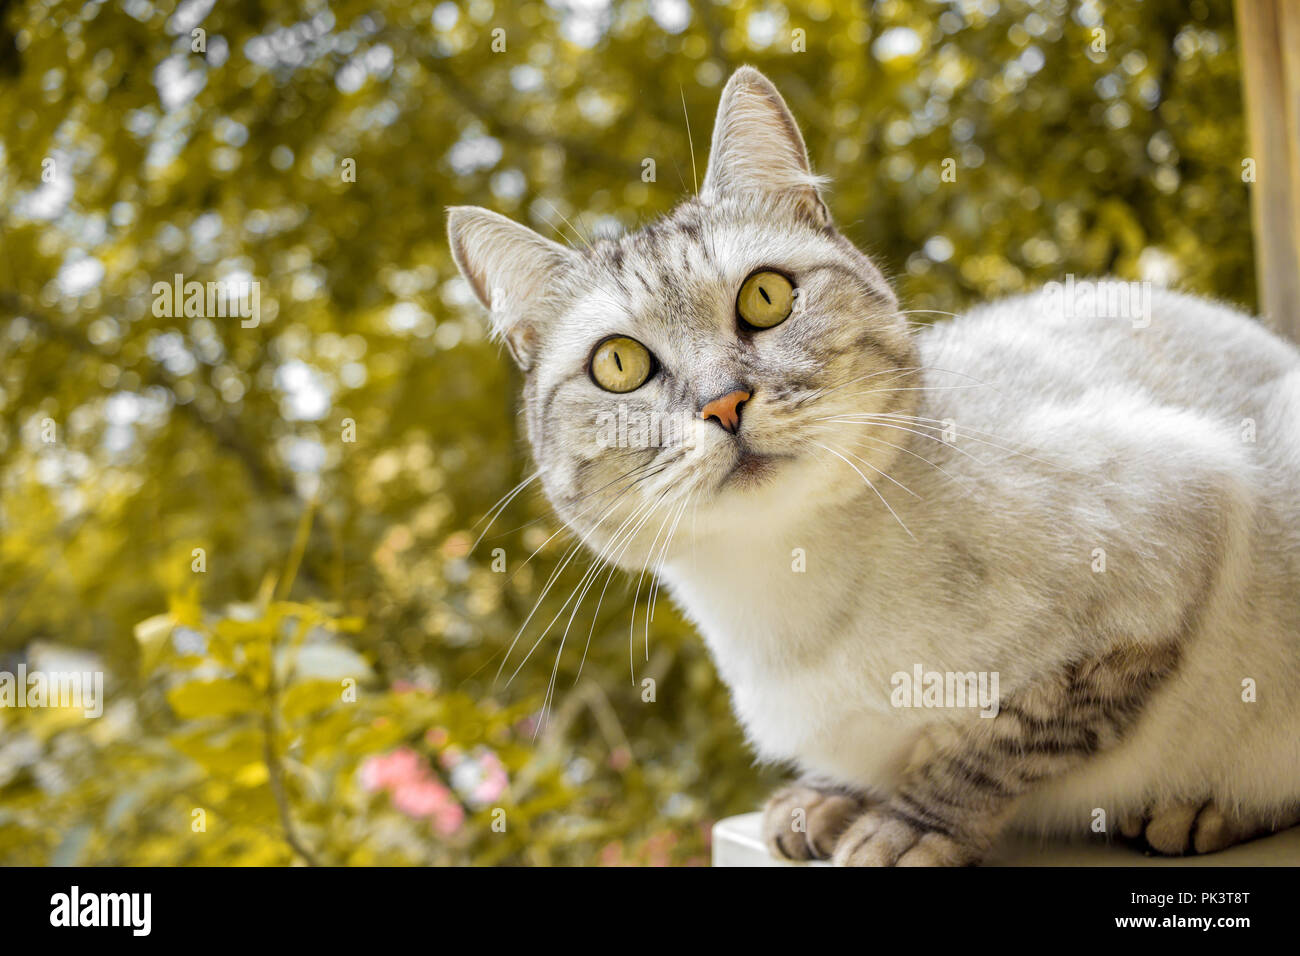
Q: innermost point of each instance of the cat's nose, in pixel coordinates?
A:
(725, 409)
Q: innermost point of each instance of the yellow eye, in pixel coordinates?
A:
(765, 299)
(621, 364)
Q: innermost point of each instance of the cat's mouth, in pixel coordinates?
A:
(751, 467)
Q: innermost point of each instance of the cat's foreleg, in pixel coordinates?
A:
(963, 783)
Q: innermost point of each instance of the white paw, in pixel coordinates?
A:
(882, 838)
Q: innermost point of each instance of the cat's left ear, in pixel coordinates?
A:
(519, 276)
(757, 147)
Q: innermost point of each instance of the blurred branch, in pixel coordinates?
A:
(275, 775)
(296, 551)
(274, 765)
(659, 665)
(588, 696)
(23, 591)
(11, 63)
(490, 116)
(223, 432)
(717, 48)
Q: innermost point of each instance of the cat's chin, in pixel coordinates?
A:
(750, 469)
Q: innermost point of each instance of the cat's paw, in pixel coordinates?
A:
(1175, 829)
(881, 837)
(802, 823)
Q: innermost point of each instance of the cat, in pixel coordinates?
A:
(1093, 500)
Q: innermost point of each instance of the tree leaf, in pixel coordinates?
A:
(211, 698)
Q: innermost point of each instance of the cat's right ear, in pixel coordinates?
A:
(514, 272)
(757, 147)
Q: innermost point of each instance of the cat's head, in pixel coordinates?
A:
(702, 361)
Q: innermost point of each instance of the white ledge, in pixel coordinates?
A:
(738, 841)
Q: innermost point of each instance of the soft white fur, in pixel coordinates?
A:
(1136, 444)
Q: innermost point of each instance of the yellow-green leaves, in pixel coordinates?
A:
(310, 697)
(211, 698)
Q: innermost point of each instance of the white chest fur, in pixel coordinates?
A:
(788, 639)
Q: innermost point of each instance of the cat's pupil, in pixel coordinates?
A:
(766, 298)
(618, 361)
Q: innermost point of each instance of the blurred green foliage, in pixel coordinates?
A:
(317, 682)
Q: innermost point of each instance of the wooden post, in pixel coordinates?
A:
(1269, 33)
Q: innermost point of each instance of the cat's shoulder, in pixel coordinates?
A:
(1108, 315)
(1114, 301)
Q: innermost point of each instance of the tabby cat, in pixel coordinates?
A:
(1085, 499)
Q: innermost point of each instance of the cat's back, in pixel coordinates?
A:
(1082, 344)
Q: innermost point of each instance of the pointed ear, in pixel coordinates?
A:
(757, 146)
(517, 275)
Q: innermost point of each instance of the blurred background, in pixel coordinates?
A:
(264, 536)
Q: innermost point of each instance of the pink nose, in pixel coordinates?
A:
(726, 409)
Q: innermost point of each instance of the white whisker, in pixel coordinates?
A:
(878, 471)
(967, 433)
(656, 578)
(502, 503)
(869, 485)
(631, 631)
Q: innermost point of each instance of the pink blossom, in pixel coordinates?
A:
(391, 770)
(619, 758)
(448, 818)
(413, 789)
(611, 854)
(527, 726)
(494, 781)
(480, 777)
(421, 798)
